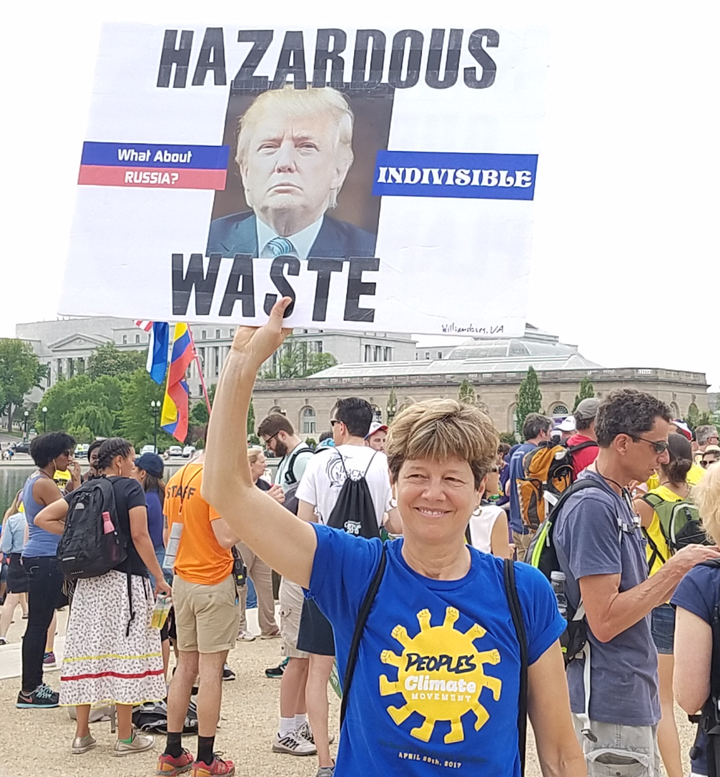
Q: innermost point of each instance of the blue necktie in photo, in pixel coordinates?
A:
(281, 246)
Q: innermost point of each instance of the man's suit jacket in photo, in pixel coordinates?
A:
(237, 234)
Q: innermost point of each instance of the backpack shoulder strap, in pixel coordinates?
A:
(367, 469)
(359, 629)
(582, 445)
(519, 624)
(652, 499)
(289, 473)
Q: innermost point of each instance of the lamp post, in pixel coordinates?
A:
(155, 409)
(25, 435)
(44, 412)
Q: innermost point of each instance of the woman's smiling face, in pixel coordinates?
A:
(436, 498)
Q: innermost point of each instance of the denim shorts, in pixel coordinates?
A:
(662, 624)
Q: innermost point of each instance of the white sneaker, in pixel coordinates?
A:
(245, 636)
(292, 744)
(306, 733)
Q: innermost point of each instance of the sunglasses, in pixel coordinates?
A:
(659, 446)
(334, 421)
(707, 462)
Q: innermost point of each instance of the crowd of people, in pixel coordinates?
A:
(394, 546)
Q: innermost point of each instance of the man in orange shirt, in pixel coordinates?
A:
(206, 619)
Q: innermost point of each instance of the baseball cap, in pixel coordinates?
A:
(683, 428)
(587, 409)
(568, 424)
(151, 463)
(375, 426)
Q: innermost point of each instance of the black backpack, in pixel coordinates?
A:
(354, 511)
(290, 478)
(92, 543)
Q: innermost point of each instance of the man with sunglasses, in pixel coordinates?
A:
(601, 551)
(710, 456)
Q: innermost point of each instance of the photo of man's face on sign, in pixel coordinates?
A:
(301, 173)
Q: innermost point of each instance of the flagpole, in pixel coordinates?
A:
(200, 372)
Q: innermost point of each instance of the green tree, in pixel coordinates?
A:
(20, 371)
(295, 360)
(138, 417)
(199, 411)
(250, 428)
(586, 391)
(529, 397)
(80, 401)
(509, 437)
(392, 406)
(466, 393)
(109, 360)
(695, 418)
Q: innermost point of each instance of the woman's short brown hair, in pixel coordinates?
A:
(440, 429)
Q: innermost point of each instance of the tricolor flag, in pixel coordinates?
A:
(157, 358)
(176, 405)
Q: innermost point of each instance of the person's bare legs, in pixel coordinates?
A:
(209, 695)
(292, 688)
(24, 604)
(667, 734)
(319, 670)
(180, 689)
(82, 723)
(165, 648)
(50, 639)
(7, 612)
(124, 721)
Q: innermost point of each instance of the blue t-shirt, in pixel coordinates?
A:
(698, 593)
(155, 518)
(436, 684)
(589, 541)
(516, 470)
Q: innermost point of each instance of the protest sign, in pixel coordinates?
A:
(383, 178)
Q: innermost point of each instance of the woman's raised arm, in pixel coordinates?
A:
(281, 540)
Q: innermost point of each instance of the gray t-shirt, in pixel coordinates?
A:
(623, 676)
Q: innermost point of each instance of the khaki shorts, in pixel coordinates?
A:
(291, 602)
(206, 616)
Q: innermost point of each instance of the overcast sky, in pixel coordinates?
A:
(625, 260)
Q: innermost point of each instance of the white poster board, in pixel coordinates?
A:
(383, 178)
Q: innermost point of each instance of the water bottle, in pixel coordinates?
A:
(161, 611)
(557, 580)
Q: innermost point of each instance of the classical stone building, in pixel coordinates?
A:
(66, 344)
(494, 367)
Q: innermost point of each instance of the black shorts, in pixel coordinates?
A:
(316, 634)
(17, 580)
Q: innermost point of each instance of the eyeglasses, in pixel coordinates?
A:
(659, 446)
(271, 437)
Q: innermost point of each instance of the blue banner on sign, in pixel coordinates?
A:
(440, 174)
(155, 155)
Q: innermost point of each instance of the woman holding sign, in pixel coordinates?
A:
(438, 676)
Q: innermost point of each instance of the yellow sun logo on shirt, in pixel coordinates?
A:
(441, 675)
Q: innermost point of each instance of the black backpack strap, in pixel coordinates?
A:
(367, 469)
(582, 445)
(359, 629)
(519, 624)
(290, 472)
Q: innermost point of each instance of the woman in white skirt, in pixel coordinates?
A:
(488, 527)
(112, 654)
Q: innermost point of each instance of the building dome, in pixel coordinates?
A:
(533, 343)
